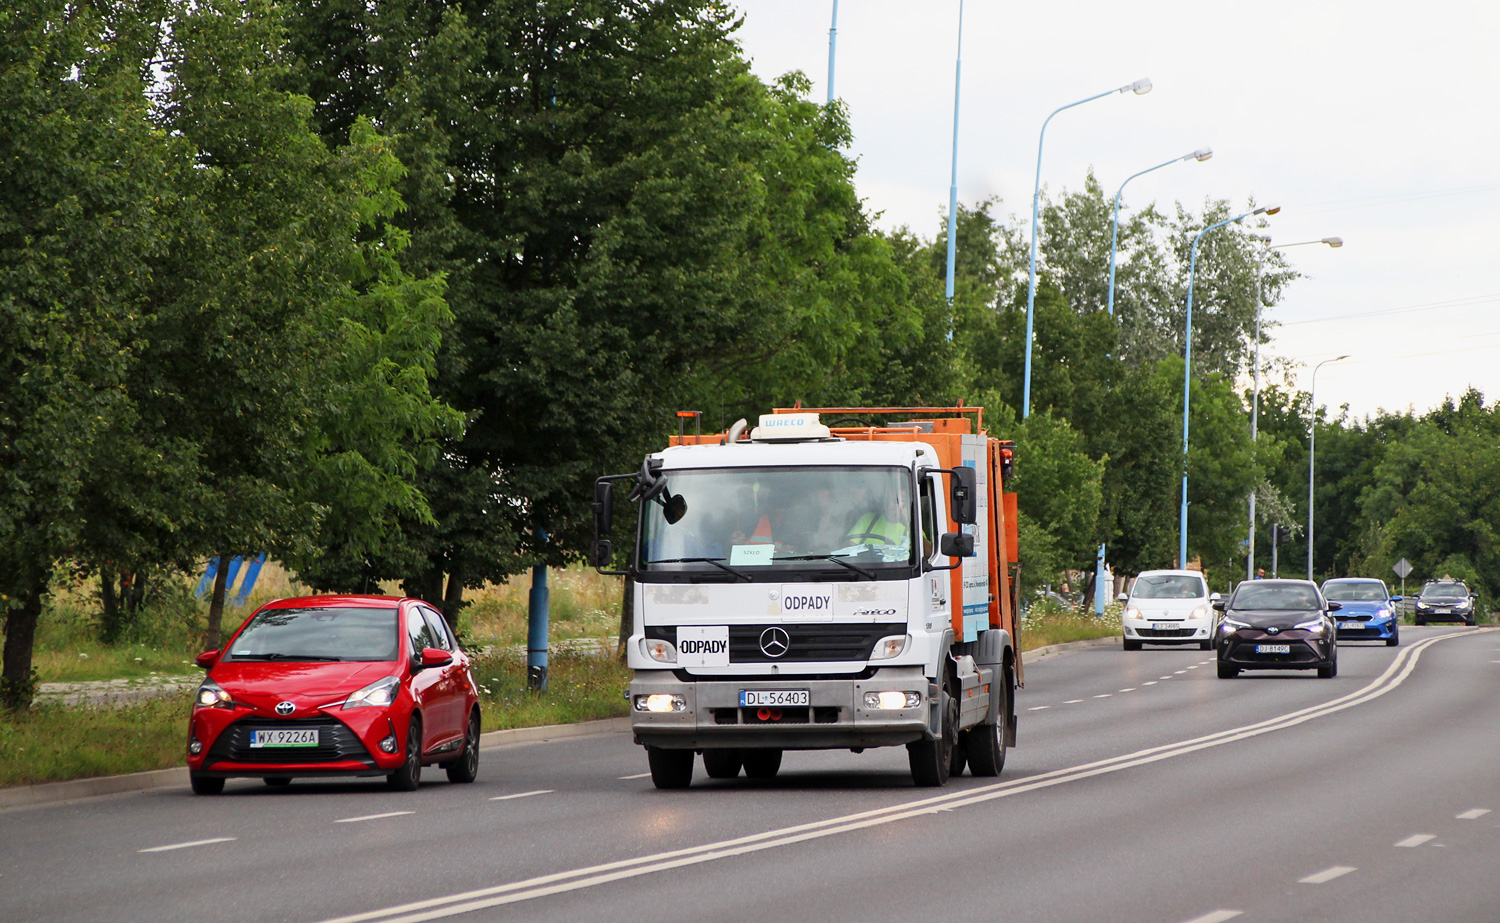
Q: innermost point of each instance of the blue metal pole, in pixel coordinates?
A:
(1187, 381)
(833, 37)
(1140, 86)
(537, 626)
(958, 64)
(1114, 227)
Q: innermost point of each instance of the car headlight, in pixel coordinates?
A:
(1461, 604)
(1131, 612)
(1316, 624)
(658, 650)
(212, 695)
(1232, 624)
(889, 646)
(380, 693)
(1199, 613)
(1382, 613)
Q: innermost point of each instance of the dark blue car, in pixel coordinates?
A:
(1367, 609)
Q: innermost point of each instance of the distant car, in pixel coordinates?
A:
(1369, 609)
(1445, 601)
(335, 686)
(1277, 625)
(1168, 607)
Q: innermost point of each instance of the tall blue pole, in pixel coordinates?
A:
(1140, 86)
(1114, 226)
(958, 65)
(538, 607)
(1187, 373)
(833, 37)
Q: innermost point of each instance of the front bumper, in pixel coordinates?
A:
(1184, 631)
(1305, 651)
(1376, 629)
(1443, 614)
(835, 717)
(349, 743)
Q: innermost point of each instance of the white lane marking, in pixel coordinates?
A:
(1131, 689)
(1152, 683)
(1178, 672)
(449, 905)
(1218, 916)
(217, 839)
(639, 775)
(1072, 701)
(1475, 814)
(1327, 875)
(1164, 677)
(1038, 707)
(540, 791)
(1193, 667)
(1417, 839)
(355, 820)
(1103, 696)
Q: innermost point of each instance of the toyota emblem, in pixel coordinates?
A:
(285, 708)
(774, 642)
(1273, 630)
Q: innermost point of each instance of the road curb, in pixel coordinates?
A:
(1054, 649)
(23, 796)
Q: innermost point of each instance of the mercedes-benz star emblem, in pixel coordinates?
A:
(775, 642)
(285, 708)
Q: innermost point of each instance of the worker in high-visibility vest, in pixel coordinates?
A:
(885, 524)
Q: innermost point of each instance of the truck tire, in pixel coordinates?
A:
(721, 764)
(761, 763)
(986, 742)
(670, 768)
(931, 759)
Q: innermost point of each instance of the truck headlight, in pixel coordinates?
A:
(890, 646)
(892, 699)
(660, 702)
(659, 651)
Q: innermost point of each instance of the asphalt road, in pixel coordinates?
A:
(1143, 789)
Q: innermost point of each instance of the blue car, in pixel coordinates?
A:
(1367, 609)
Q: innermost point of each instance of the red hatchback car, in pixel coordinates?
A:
(335, 686)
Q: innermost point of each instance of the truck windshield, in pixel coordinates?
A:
(750, 518)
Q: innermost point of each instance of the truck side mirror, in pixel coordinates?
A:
(957, 544)
(962, 496)
(602, 553)
(604, 507)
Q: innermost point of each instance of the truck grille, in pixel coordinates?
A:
(806, 643)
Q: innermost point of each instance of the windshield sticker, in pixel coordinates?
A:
(751, 554)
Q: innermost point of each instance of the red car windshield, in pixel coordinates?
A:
(319, 634)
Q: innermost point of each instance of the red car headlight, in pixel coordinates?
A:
(380, 693)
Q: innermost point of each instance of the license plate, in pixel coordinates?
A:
(1273, 648)
(1353, 626)
(754, 698)
(1165, 626)
(1442, 612)
(284, 737)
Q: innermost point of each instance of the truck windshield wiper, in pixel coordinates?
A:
(835, 558)
(716, 562)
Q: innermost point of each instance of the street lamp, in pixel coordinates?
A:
(1312, 430)
(1140, 87)
(1199, 155)
(1187, 369)
(1333, 242)
(953, 181)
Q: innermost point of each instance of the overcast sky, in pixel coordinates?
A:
(1377, 123)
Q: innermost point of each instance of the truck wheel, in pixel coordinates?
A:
(761, 763)
(721, 764)
(986, 742)
(931, 759)
(670, 768)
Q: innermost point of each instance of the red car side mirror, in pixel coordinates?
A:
(207, 659)
(435, 657)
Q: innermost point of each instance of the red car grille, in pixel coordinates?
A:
(336, 743)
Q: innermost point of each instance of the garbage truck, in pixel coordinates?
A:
(831, 578)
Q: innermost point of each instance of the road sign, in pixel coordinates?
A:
(1402, 568)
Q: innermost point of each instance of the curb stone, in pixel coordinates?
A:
(23, 796)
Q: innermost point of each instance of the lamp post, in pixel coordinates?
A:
(1335, 243)
(833, 37)
(1199, 155)
(1139, 87)
(1312, 430)
(1187, 370)
(953, 181)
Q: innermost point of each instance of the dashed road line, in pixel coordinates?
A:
(1131, 689)
(540, 791)
(1152, 683)
(1327, 875)
(1417, 839)
(639, 775)
(1104, 695)
(1038, 707)
(1072, 701)
(1474, 814)
(355, 820)
(1217, 916)
(217, 839)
